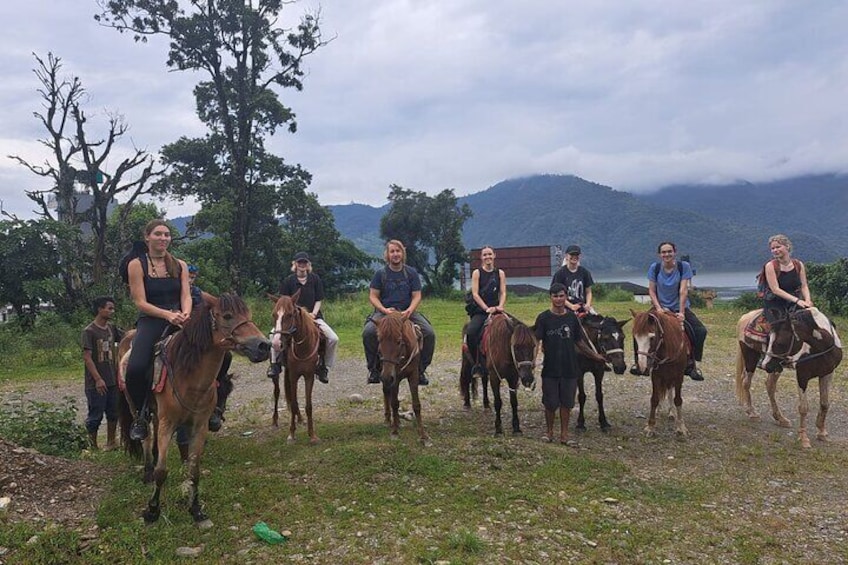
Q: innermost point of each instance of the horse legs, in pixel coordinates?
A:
(294, 409)
(387, 403)
(196, 446)
(310, 424)
(395, 402)
(581, 399)
(650, 427)
(276, 380)
(416, 408)
(496, 394)
(771, 387)
(680, 426)
(599, 397)
(163, 429)
(513, 402)
(824, 405)
(484, 380)
(803, 410)
(467, 385)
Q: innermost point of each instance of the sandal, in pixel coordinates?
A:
(570, 443)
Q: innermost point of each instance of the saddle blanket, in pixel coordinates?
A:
(758, 329)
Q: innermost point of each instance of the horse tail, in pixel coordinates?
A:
(289, 384)
(125, 418)
(740, 374)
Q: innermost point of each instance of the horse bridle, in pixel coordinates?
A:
(397, 362)
(795, 338)
(599, 348)
(652, 353)
(291, 331)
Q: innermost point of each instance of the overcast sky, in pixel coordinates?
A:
(462, 94)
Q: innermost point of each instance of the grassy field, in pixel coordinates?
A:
(735, 492)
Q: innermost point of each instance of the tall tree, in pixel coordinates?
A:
(431, 229)
(246, 56)
(79, 159)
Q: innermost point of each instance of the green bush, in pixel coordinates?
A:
(748, 301)
(829, 285)
(617, 295)
(49, 428)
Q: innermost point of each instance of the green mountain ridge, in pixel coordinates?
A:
(723, 228)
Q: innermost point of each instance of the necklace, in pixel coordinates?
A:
(153, 265)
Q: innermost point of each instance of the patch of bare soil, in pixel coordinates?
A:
(42, 488)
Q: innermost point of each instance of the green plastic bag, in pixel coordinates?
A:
(265, 533)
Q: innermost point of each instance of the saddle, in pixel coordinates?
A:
(758, 329)
(161, 364)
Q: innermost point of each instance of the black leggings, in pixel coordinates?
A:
(148, 332)
(473, 333)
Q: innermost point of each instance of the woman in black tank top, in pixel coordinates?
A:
(160, 289)
(488, 289)
(787, 280)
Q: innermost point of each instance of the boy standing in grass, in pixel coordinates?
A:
(98, 352)
(557, 329)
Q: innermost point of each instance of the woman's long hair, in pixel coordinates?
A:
(172, 266)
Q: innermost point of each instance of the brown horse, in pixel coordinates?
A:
(302, 341)
(662, 351)
(187, 395)
(467, 383)
(399, 351)
(605, 338)
(805, 340)
(510, 349)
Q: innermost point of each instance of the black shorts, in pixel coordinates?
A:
(558, 393)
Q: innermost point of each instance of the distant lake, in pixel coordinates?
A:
(727, 285)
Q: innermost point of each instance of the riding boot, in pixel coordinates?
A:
(422, 377)
(92, 440)
(321, 372)
(216, 420)
(183, 447)
(138, 429)
(111, 429)
(274, 370)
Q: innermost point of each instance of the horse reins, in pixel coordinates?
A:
(653, 355)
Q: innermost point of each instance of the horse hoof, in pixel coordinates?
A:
(290, 440)
(823, 436)
(517, 432)
(754, 417)
(649, 432)
(394, 437)
(805, 443)
(205, 524)
(784, 423)
(426, 442)
(314, 441)
(499, 433)
(149, 516)
(580, 427)
(606, 426)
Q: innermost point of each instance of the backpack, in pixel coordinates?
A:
(138, 249)
(655, 270)
(763, 290)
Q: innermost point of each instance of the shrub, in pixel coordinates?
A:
(748, 301)
(49, 428)
(829, 285)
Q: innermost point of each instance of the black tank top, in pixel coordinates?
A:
(164, 292)
(789, 281)
(489, 286)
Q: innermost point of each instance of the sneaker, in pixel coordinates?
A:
(138, 429)
(695, 374)
(274, 370)
(321, 373)
(373, 378)
(216, 420)
(422, 379)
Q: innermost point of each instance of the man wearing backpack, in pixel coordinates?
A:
(668, 286)
(396, 288)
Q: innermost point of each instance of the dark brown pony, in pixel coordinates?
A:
(193, 358)
(806, 340)
(301, 349)
(467, 383)
(399, 351)
(510, 349)
(662, 351)
(605, 336)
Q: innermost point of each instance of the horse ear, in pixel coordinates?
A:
(633, 313)
(622, 324)
(272, 297)
(209, 299)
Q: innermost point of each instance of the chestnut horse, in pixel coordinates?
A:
(662, 351)
(510, 349)
(187, 394)
(301, 343)
(605, 337)
(399, 351)
(806, 340)
(467, 383)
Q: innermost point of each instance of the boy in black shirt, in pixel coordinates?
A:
(557, 330)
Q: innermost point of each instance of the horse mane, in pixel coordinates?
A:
(522, 336)
(394, 324)
(196, 337)
(673, 335)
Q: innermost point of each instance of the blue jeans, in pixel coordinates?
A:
(100, 404)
